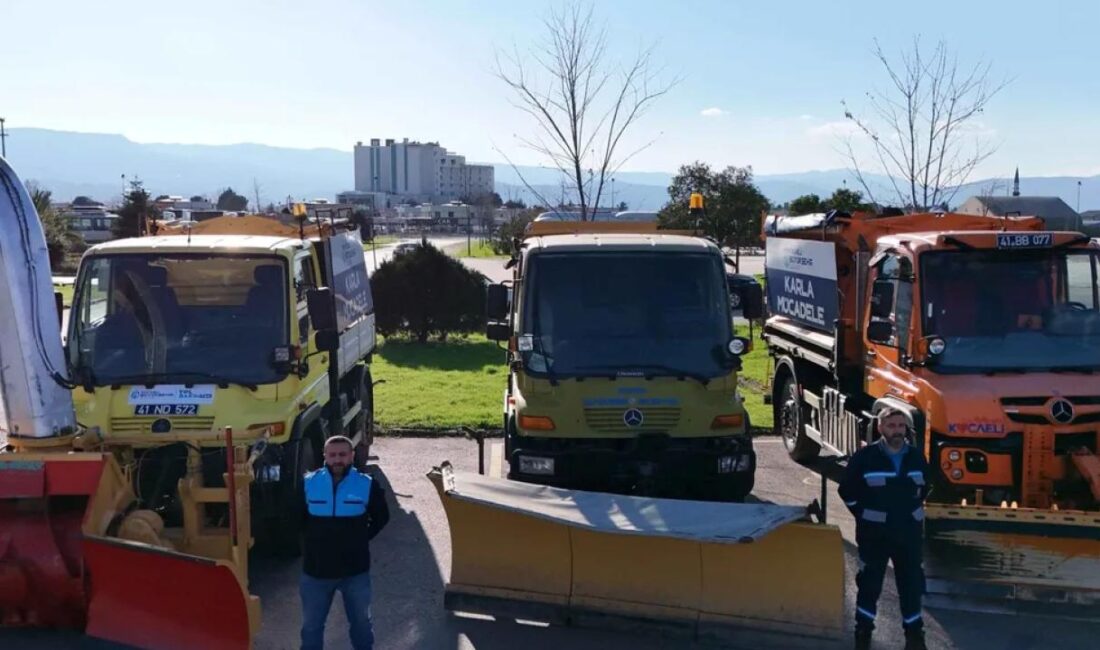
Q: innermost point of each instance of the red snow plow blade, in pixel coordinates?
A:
(77, 553)
(152, 598)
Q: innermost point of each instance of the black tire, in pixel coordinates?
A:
(509, 436)
(790, 421)
(364, 422)
(286, 532)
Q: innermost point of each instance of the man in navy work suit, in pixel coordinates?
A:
(884, 487)
(344, 510)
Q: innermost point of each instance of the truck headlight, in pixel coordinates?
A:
(736, 463)
(536, 465)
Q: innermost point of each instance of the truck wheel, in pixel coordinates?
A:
(790, 419)
(364, 422)
(286, 533)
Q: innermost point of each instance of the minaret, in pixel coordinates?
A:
(1016, 183)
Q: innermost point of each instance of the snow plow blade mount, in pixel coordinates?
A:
(706, 571)
(1013, 560)
(75, 553)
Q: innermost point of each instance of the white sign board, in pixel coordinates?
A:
(801, 279)
(172, 394)
(350, 284)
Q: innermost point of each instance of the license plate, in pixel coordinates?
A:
(166, 409)
(1024, 240)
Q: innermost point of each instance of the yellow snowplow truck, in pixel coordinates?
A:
(623, 379)
(85, 544)
(240, 323)
(623, 362)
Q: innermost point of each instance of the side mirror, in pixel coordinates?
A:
(322, 309)
(882, 299)
(327, 340)
(880, 331)
(752, 301)
(496, 302)
(497, 331)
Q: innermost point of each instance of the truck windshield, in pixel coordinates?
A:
(1018, 311)
(179, 319)
(593, 314)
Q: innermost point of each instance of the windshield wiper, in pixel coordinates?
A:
(1088, 370)
(1009, 371)
(155, 378)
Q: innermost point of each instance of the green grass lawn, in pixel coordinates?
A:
(754, 378)
(477, 249)
(460, 383)
(439, 385)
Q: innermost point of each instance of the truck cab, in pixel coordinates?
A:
(985, 330)
(623, 363)
(174, 339)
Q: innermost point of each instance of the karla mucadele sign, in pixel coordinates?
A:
(349, 279)
(802, 281)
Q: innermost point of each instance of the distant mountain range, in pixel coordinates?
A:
(92, 164)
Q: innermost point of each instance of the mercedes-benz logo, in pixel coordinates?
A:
(633, 418)
(1061, 411)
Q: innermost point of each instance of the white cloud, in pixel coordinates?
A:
(840, 129)
(806, 117)
(713, 111)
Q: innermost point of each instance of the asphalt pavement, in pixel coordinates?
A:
(411, 562)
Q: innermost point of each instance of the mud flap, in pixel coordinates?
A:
(984, 558)
(705, 571)
(149, 597)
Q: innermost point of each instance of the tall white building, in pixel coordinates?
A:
(422, 171)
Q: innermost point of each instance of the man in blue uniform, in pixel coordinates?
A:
(884, 487)
(344, 510)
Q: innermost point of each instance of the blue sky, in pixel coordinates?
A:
(329, 72)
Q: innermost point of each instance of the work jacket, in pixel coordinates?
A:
(340, 519)
(879, 496)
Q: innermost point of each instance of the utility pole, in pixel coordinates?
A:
(3, 140)
(1078, 197)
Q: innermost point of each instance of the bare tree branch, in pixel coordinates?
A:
(917, 129)
(582, 104)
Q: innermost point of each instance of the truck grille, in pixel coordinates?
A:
(610, 420)
(1036, 410)
(143, 425)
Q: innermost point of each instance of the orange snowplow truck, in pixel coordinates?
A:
(986, 332)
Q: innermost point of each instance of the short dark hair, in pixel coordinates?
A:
(340, 439)
(891, 411)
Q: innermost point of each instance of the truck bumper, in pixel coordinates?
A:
(657, 465)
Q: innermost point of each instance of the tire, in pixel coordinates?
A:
(790, 420)
(286, 532)
(364, 422)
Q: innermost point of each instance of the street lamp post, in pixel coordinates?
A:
(3, 140)
(1078, 197)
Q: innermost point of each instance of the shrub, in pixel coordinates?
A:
(425, 292)
(502, 240)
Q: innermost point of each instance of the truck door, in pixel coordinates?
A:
(889, 320)
(304, 280)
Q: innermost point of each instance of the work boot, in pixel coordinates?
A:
(863, 638)
(914, 640)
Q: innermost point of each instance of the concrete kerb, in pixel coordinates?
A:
(457, 432)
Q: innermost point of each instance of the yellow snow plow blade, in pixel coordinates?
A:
(707, 571)
(1022, 560)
